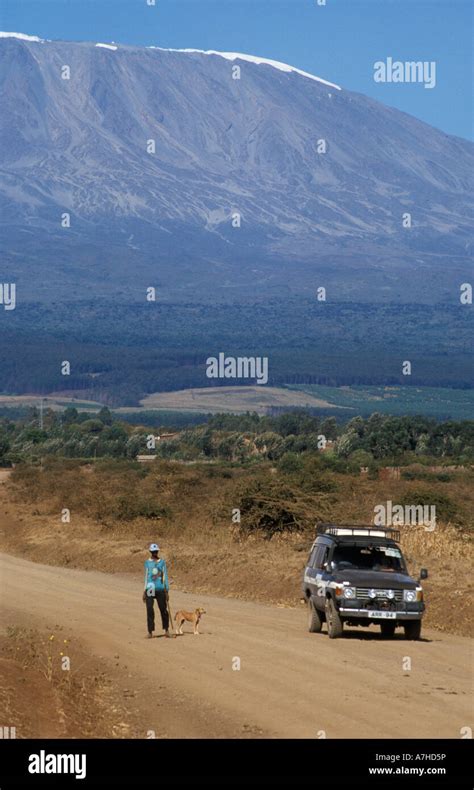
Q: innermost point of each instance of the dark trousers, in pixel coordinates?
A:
(160, 597)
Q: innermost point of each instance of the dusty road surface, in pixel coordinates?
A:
(290, 684)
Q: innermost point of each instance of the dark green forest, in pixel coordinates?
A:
(119, 353)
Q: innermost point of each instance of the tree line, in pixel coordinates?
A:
(283, 438)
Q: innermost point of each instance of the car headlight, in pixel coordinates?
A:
(349, 592)
(409, 595)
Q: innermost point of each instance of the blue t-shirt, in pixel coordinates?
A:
(156, 576)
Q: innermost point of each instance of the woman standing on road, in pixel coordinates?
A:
(156, 589)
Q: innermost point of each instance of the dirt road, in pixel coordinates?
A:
(290, 683)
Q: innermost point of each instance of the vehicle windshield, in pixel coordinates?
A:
(368, 558)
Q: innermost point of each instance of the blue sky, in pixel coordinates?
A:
(339, 41)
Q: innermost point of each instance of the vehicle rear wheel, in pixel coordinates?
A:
(314, 620)
(388, 630)
(333, 620)
(412, 629)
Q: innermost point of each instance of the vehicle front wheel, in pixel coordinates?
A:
(388, 630)
(333, 620)
(314, 620)
(412, 629)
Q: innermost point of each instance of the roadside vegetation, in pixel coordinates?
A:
(51, 684)
(288, 439)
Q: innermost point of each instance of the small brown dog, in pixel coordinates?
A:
(191, 617)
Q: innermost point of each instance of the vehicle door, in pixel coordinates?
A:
(321, 575)
(310, 570)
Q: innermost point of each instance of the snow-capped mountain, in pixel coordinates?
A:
(159, 155)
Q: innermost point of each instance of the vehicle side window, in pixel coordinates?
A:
(312, 557)
(320, 556)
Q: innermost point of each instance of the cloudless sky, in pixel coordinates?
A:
(339, 41)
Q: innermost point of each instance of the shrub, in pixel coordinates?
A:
(270, 507)
(289, 463)
(446, 509)
(127, 507)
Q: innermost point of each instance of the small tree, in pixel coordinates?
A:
(105, 416)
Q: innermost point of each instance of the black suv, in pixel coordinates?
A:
(357, 575)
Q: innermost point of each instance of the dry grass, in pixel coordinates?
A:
(43, 699)
(231, 400)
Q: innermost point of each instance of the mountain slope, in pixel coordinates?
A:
(223, 145)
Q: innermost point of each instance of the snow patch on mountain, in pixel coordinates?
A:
(276, 64)
(253, 59)
(22, 36)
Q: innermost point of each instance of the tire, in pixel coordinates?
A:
(333, 620)
(314, 620)
(387, 629)
(412, 629)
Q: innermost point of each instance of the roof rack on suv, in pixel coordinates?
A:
(361, 530)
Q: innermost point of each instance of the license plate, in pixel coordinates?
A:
(383, 615)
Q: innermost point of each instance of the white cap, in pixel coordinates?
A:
(154, 547)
